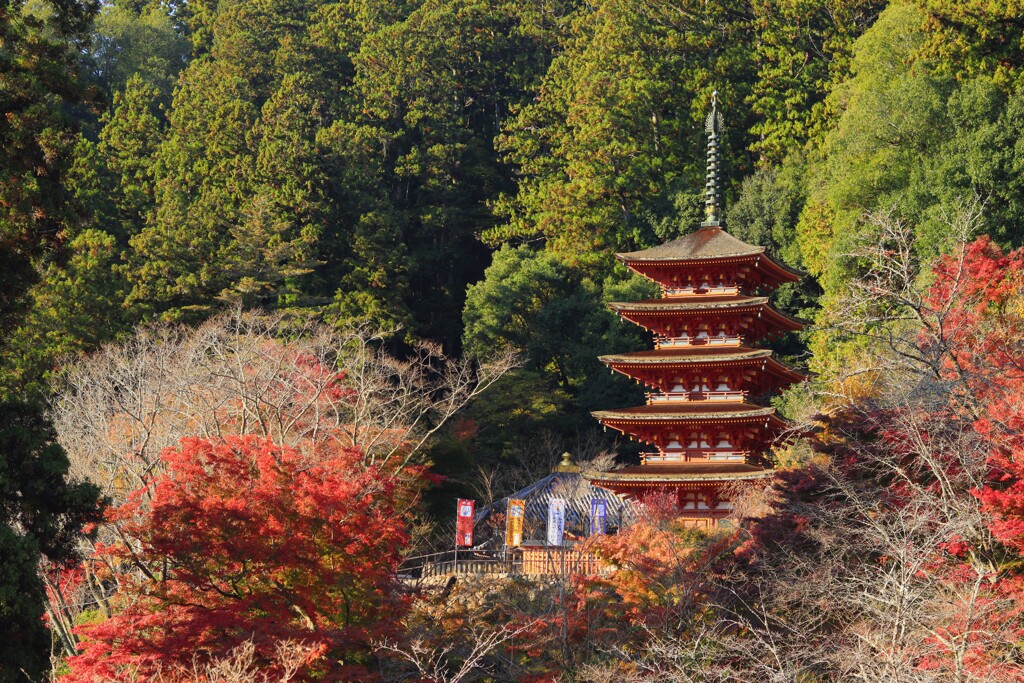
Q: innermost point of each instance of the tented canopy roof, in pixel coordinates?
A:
(577, 492)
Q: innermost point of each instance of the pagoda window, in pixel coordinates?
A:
(724, 505)
(698, 440)
(723, 441)
(693, 500)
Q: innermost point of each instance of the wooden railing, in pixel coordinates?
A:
(525, 561)
(702, 290)
(690, 455)
(682, 342)
(459, 562)
(540, 561)
(688, 396)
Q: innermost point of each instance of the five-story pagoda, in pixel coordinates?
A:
(704, 371)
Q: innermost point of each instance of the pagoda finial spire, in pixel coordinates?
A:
(712, 191)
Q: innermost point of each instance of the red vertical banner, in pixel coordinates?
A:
(464, 523)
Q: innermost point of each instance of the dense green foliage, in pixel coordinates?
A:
(353, 160)
(40, 515)
(40, 512)
(41, 87)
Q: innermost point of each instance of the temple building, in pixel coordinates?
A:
(567, 482)
(706, 415)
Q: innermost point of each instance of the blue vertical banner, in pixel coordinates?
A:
(598, 516)
(556, 521)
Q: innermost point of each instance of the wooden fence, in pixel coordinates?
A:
(527, 561)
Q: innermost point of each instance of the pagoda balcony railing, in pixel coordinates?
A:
(680, 342)
(692, 455)
(693, 396)
(717, 290)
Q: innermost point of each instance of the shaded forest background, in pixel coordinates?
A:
(461, 171)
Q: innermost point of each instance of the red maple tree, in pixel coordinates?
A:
(984, 288)
(243, 541)
(986, 292)
(973, 332)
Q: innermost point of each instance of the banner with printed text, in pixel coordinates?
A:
(556, 521)
(464, 523)
(598, 516)
(514, 523)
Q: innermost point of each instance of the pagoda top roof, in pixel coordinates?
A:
(692, 410)
(688, 354)
(707, 243)
(683, 472)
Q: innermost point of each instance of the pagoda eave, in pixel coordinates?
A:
(614, 480)
(624, 421)
(771, 318)
(698, 410)
(779, 271)
(677, 359)
(700, 303)
(766, 269)
(689, 355)
(644, 422)
(775, 425)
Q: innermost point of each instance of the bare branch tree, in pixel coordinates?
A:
(885, 304)
(243, 373)
(241, 665)
(454, 659)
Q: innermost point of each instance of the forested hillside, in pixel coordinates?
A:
(371, 242)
